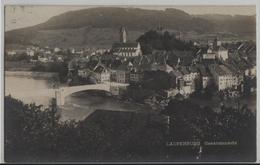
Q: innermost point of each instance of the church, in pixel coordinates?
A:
(124, 48)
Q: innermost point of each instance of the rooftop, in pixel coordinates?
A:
(176, 73)
(184, 70)
(221, 69)
(203, 71)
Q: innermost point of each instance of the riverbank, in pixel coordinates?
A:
(31, 74)
(18, 66)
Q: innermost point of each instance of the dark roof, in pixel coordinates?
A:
(221, 69)
(203, 71)
(184, 70)
(142, 63)
(193, 69)
(100, 69)
(124, 66)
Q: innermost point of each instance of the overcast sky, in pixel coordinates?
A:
(24, 16)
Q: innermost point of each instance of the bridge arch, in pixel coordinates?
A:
(61, 93)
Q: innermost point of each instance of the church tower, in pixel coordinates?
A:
(123, 35)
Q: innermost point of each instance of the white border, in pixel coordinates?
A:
(124, 2)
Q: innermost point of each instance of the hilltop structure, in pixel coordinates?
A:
(124, 48)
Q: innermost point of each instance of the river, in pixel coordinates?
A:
(77, 107)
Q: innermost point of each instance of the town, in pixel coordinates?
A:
(227, 67)
(130, 84)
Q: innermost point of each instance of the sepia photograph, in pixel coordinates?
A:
(129, 83)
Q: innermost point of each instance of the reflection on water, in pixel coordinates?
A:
(76, 107)
(22, 88)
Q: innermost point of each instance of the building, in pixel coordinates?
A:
(11, 53)
(223, 77)
(124, 48)
(30, 52)
(170, 92)
(122, 73)
(205, 76)
(101, 73)
(194, 73)
(136, 76)
(222, 53)
(209, 56)
(179, 78)
(43, 59)
(84, 72)
(155, 66)
(57, 50)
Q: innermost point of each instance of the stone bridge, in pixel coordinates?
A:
(61, 93)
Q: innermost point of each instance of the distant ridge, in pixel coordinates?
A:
(98, 27)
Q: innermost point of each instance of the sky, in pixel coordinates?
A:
(23, 16)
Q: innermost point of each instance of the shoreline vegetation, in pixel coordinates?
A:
(32, 74)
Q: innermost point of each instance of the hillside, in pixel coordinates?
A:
(239, 24)
(98, 27)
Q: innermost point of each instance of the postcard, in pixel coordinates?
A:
(129, 83)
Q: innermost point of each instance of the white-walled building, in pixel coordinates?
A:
(223, 77)
(222, 53)
(30, 52)
(126, 49)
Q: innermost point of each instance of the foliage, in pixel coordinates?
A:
(157, 80)
(61, 68)
(204, 125)
(17, 57)
(33, 135)
(166, 41)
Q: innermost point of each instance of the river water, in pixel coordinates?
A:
(77, 107)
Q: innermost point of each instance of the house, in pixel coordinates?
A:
(60, 58)
(57, 50)
(159, 62)
(179, 78)
(142, 63)
(170, 92)
(30, 52)
(209, 56)
(84, 72)
(186, 90)
(122, 73)
(194, 73)
(43, 59)
(219, 50)
(223, 77)
(222, 53)
(136, 76)
(11, 53)
(185, 72)
(180, 58)
(100, 72)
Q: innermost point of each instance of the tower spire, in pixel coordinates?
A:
(123, 34)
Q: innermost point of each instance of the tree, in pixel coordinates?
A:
(189, 121)
(166, 41)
